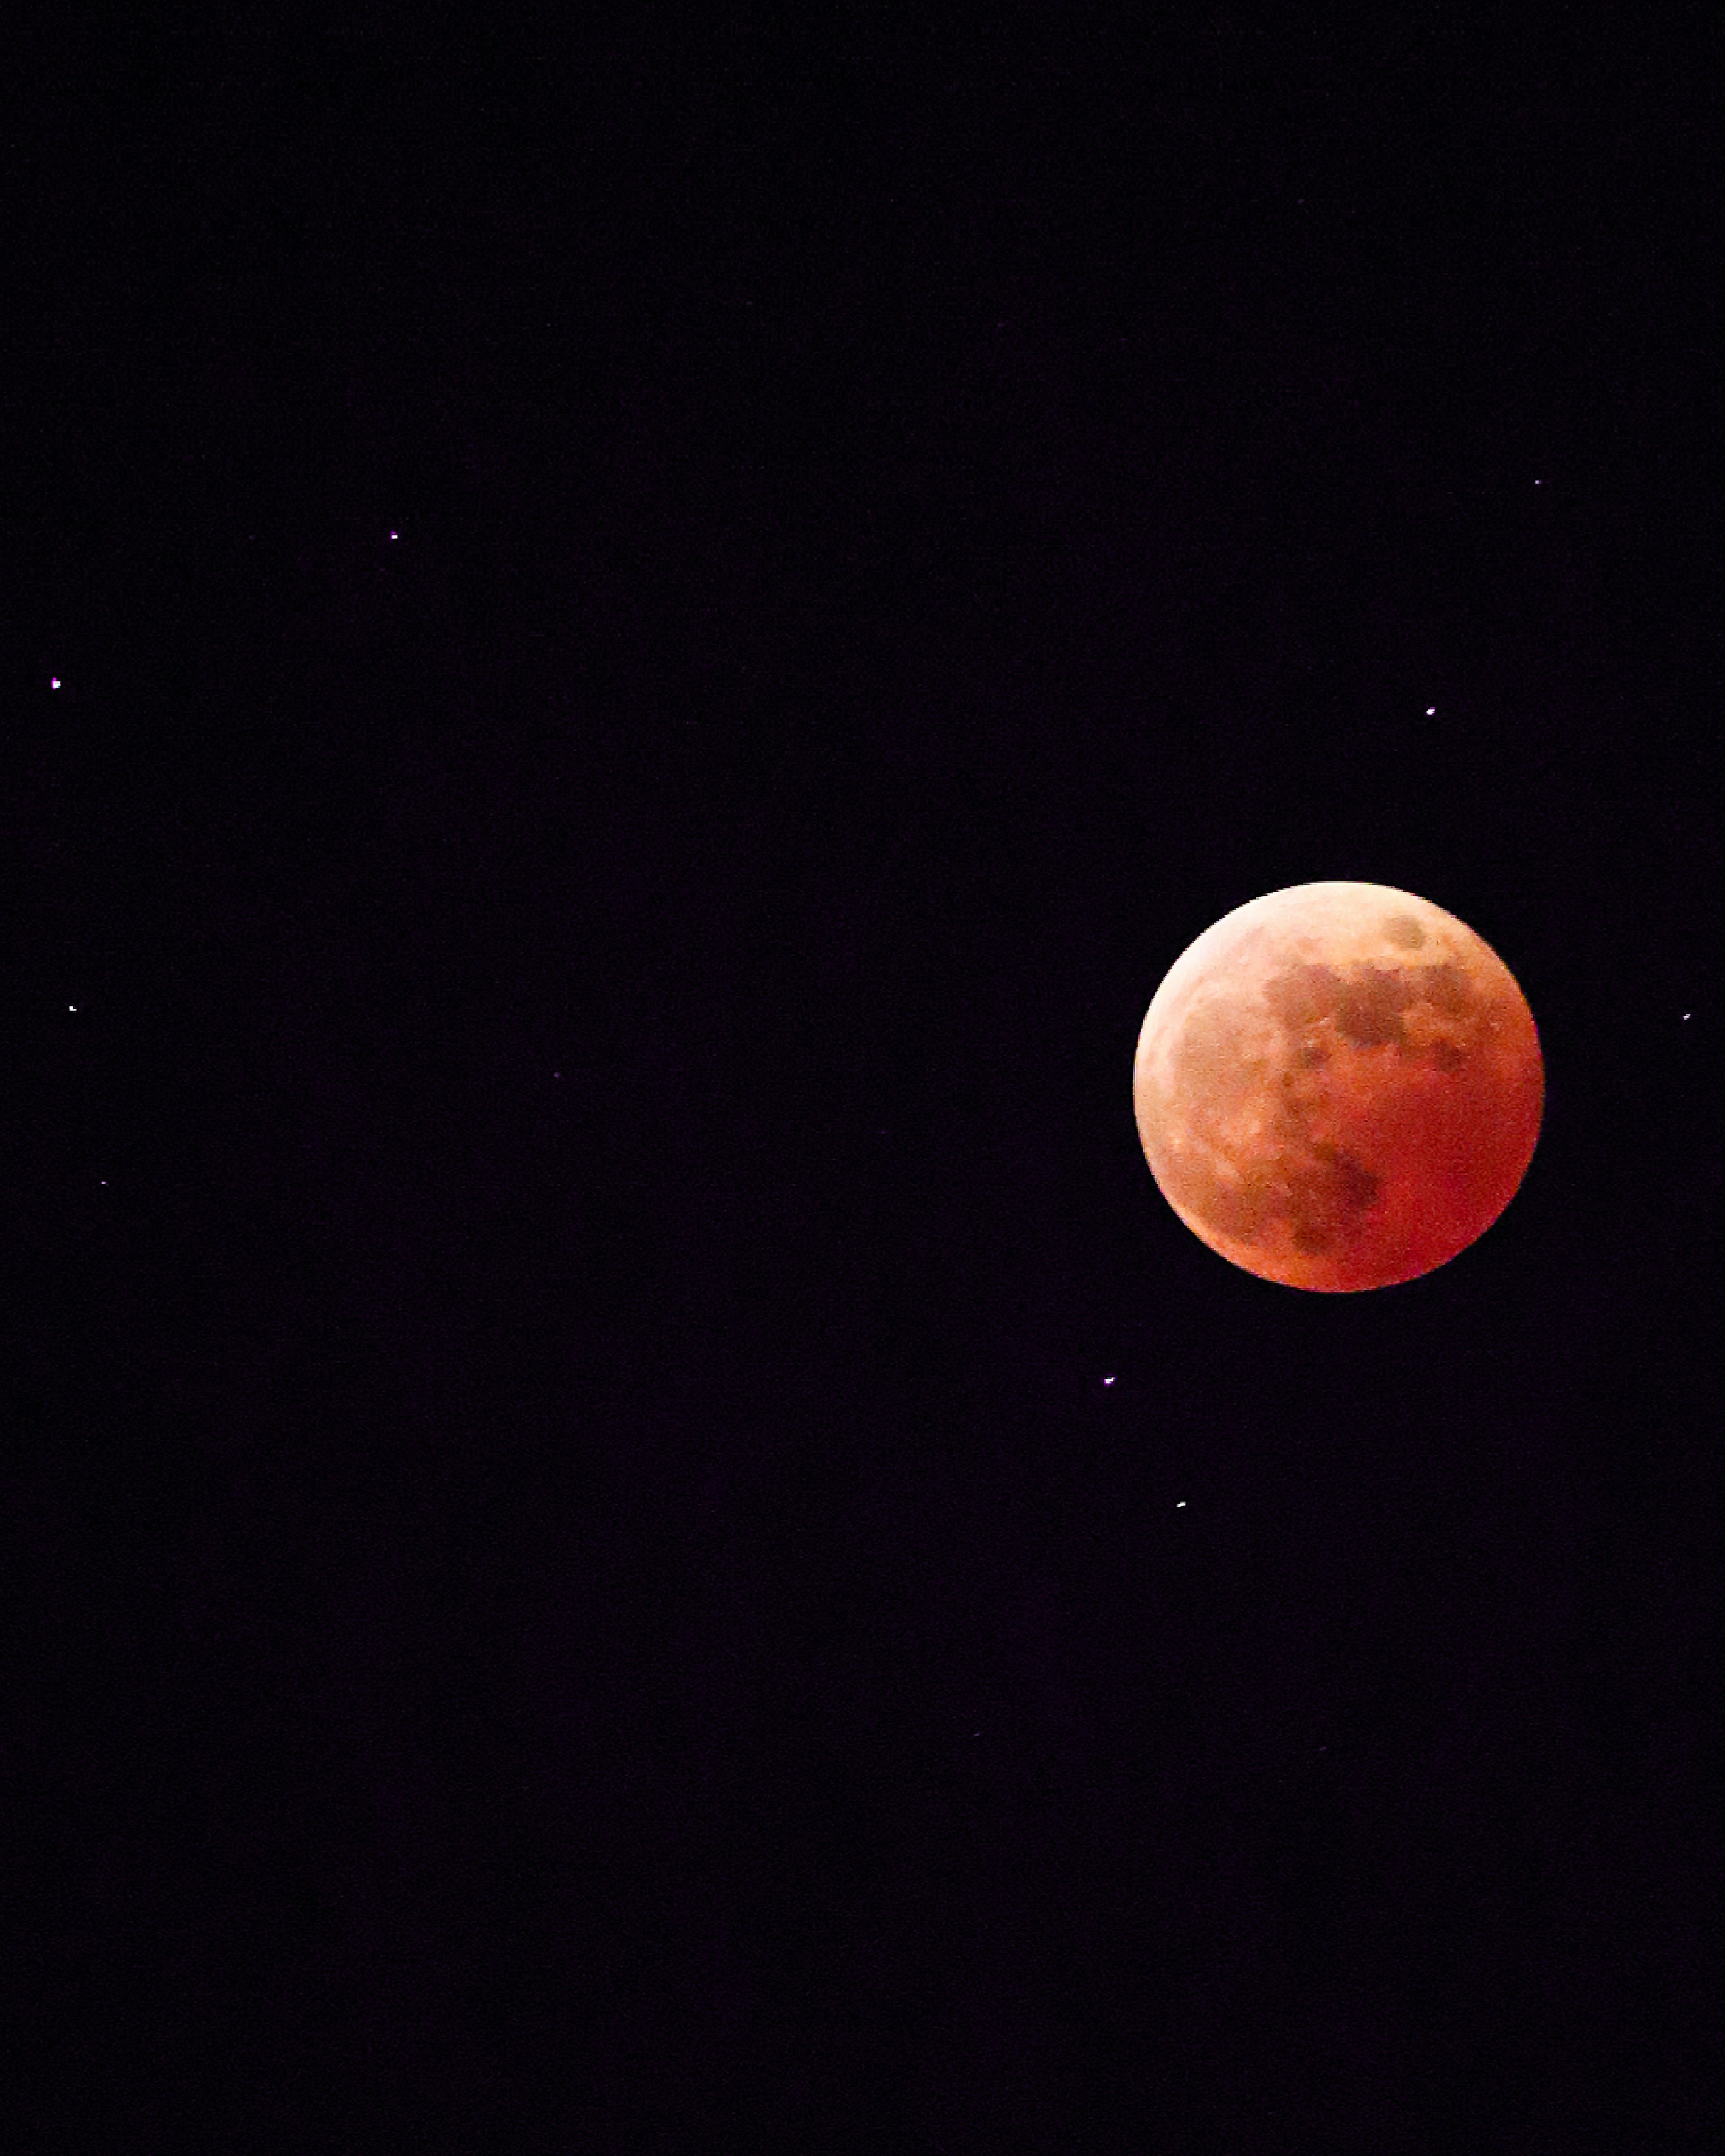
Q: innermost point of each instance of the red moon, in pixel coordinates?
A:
(1338, 1086)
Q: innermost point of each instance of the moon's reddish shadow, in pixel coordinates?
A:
(1338, 1086)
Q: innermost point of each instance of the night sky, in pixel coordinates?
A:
(630, 1525)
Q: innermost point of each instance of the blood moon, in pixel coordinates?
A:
(1338, 1086)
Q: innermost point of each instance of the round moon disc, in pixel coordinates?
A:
(1338, 1086)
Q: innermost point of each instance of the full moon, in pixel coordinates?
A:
(1338, 1086)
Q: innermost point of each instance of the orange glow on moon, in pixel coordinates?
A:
(1338, 1086)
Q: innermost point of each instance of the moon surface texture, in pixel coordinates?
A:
(1338, 1086)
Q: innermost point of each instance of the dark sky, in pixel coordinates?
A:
(660, 641)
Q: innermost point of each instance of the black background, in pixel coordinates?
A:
(628, 1523)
